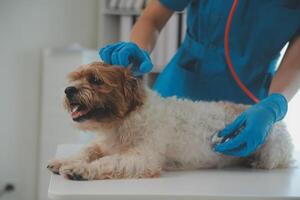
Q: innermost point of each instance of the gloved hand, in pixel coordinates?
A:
(254, 125)
(125, 53)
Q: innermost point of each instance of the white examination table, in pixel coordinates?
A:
(225, 184)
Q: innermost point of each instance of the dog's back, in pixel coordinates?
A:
(187, 127)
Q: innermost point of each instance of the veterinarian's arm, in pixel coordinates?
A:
(258, 119)
(143, 38)
(287, 78)
(148, 26)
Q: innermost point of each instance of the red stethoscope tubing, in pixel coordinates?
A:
(227, 55)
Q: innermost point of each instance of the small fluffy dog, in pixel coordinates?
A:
(143, 134)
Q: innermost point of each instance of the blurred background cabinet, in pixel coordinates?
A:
(56, 124)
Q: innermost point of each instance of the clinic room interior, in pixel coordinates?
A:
(149, 99)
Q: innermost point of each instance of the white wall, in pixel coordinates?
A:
(25, 28)
(292, 120)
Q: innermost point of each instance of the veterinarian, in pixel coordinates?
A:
(198, 71)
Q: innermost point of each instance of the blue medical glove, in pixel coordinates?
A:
(250, 129)
(126, 53)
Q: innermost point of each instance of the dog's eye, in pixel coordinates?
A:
(94, 80)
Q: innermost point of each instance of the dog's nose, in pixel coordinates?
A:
(70, 91)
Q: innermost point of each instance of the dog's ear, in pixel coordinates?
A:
(133, 89)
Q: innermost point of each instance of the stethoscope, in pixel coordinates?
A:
(227, 55)
(215, 138)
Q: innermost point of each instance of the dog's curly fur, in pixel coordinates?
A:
(143, 134)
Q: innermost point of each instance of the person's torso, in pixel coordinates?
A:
(259, 30)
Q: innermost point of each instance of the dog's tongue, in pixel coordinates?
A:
(76, 114)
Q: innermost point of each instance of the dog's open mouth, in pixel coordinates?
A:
(81, 113)
(78, 111)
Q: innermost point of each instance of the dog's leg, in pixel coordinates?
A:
(132, 164)
(87, 154)
(277, 150)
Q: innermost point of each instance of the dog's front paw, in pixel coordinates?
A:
(54, 165)
(76, 171)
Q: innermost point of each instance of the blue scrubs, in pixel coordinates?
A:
(259, 30)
